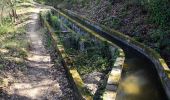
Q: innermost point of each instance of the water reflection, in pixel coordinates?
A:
(137, 83)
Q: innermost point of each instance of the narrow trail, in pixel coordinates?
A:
(42, 79)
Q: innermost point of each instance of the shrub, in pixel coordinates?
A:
(161, 37)
(159, 10)
(54, 21)
(6, 26)
(116, 23)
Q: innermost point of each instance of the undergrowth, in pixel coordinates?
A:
(89, 55)
(13, 45)
(6, 26)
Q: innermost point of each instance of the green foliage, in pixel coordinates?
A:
(160, 37)
(106, 51)
(53, 3)
(116, 22)
(93, 58)
(98, 1)
(157, 35)
(41, 1)
(160, 12)
(112, 22)
(134, 2)
(53, 20)
(1, 67)
(15, 44)
(6, 26)
(87, 65)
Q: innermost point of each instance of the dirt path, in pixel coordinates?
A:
(42, 79)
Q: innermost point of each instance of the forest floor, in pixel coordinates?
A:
(28, 69)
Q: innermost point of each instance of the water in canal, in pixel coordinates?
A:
(139, 80)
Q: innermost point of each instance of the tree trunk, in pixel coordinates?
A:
(2, 10)
(14, 14)
(13, 10)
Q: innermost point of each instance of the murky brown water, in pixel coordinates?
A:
(139, 82)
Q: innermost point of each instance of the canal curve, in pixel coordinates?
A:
(137, 69)
(140, 78)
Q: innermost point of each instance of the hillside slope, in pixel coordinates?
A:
(147, 21)
(132, 18)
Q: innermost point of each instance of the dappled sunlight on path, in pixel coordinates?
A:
(36, 89)
(42, 78)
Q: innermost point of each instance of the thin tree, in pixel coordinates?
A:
(12, 13)
(1, 10)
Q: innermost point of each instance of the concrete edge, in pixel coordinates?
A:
(115, 74)
(72, 72)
